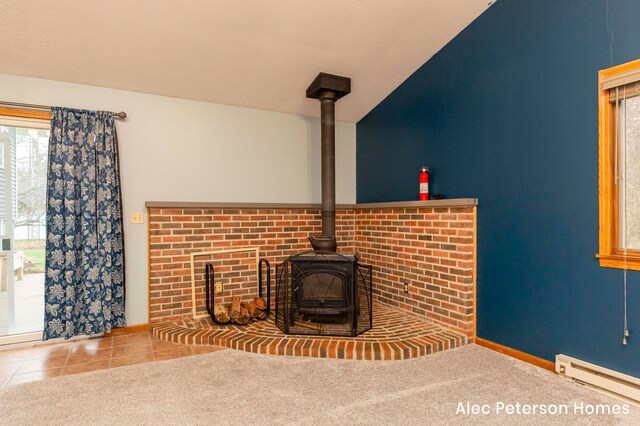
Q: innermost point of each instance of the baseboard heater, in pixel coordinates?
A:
(599, 378)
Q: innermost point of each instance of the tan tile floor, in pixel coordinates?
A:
(41, 361)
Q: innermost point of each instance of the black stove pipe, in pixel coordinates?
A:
(328, 88)
(328, 162)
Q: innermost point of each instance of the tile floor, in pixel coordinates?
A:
(41, 361)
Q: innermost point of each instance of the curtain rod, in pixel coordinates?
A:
(120, 114)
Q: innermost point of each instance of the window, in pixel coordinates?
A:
(23, 146)
(619, 166)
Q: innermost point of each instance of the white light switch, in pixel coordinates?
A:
(137, 217)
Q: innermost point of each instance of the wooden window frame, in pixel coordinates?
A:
(610, 255)
(25, 113)
(34, 116)
(30, 115)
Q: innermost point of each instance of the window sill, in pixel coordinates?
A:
(618, 261)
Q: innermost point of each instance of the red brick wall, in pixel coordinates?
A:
(429, 248)
(176, 233)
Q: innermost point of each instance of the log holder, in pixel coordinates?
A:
(210, 286)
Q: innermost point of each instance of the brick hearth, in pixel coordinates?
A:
(427, 245)
(395, 335)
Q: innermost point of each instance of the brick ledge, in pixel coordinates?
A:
(453, 202)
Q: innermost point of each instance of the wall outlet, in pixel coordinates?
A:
(406, 287)
(137, 217)
(218, 287)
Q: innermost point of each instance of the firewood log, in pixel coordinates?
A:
(251, 308)
(260, 303)
(259, 313)
(234, 310)
(244, 317)
(220, 313)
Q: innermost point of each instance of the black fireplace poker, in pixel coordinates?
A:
(328, 88)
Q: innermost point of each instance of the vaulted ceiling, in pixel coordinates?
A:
(251, 53)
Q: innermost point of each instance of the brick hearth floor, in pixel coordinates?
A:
(395, 335)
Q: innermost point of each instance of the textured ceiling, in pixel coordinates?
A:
(258, 54)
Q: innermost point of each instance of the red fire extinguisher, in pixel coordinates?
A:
(424, 184)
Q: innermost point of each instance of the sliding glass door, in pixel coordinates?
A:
(23, 176)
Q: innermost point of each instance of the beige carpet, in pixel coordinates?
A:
(232, 387)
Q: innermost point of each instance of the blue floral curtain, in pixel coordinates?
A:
(84, 282)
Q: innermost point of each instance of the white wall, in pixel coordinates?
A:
(180, 150)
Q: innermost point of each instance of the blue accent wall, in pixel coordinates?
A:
(507, 113)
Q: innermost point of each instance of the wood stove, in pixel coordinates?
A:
(323, 285)
(323, 293)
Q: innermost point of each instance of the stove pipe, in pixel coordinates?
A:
(328, 88)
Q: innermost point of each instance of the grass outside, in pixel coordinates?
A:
(33, 261)
(33, 255)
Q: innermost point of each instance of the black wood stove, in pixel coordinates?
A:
(322, 291)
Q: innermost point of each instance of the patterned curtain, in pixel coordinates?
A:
(84, 283)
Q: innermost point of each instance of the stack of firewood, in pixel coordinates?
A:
(238, 312)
